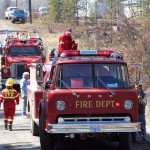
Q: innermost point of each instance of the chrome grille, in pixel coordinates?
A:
(93, 119)
(17, 70)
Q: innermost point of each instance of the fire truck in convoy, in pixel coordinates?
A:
(18, 50)
(82, 94)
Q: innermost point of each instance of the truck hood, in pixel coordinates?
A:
(28, 59)
(95, 101)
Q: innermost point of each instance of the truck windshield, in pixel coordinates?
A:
(18, 11)
(93, 76)
(24, 50)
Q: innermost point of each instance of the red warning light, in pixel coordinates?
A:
(118, 104)
(70, 105)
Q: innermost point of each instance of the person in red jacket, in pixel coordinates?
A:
(66, 42)
(10, 98)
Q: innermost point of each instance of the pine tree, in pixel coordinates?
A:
(69, 10)
(55, 10)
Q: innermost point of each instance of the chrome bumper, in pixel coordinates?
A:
(94, 127)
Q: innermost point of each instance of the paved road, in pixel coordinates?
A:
(21, 139)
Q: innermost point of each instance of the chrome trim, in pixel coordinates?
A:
(94, 125)
(100, 127)
(93, 119)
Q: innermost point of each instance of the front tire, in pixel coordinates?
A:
(46, 139)
(23, 22)
(124, 141)
(12, 21)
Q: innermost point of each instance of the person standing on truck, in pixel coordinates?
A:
(23, 88)
(66, 42)
(9, 97)
(142, 102)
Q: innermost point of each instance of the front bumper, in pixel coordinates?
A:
(94, 127)
(16, 81)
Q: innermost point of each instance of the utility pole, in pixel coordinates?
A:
(30, 11)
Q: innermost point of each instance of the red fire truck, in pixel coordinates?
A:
(82, 94)
(18, 50)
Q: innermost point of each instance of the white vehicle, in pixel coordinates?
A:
(8, 12)
(42, 11)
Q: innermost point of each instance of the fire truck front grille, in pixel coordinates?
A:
(17, 70)
(93, 119)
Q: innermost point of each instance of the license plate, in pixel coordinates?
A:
(94, 129)
(20, 19)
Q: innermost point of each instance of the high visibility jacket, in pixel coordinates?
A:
(9, 95)
(66, 43)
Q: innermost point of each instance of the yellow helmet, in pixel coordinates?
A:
(9, 82)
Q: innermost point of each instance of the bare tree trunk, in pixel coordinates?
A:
(7, 3)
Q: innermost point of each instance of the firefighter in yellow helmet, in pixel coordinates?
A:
(10, 97)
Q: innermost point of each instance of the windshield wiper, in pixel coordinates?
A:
(103, 83)
(66, 86)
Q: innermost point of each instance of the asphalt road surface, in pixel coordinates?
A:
(21, 139)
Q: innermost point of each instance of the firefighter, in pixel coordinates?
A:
(66, 42)
(9, 97)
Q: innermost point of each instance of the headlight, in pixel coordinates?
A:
(60, 120)
(127, 119)
(128, 104)
(5, 71)
(60, 105)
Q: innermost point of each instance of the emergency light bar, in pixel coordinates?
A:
(71, 53)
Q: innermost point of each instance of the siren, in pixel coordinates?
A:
(71, 53)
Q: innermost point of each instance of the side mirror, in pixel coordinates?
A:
(39, 73)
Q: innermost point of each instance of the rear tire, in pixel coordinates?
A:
(34, 127)
(124, 141)
(46, 139)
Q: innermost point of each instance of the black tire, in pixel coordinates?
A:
(12, 21)
(23, 22)
(124, 141)
(46, 139)
(34, 127)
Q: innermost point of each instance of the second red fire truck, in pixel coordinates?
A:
(18, 50)
(82, 94)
